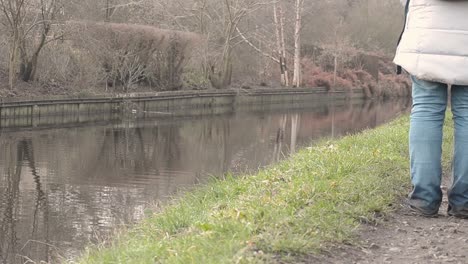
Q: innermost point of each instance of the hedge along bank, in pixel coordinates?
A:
(295, 208)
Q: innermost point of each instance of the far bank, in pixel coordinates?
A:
(61, 110)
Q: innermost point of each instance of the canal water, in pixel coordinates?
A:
(64, 188)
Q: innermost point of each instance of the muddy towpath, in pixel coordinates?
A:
(406, 238)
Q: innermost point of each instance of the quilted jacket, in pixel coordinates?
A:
(434, 45)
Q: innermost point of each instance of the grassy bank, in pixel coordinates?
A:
(318, 197)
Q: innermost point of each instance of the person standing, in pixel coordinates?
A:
(434, 51)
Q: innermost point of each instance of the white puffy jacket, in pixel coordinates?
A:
(434, 46)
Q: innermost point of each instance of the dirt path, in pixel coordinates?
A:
(406, 238)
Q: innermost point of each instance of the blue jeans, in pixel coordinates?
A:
(427, 120)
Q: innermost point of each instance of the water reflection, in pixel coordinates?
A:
(61, 189)
(11, 221)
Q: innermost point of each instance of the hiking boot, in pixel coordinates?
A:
(458, 212)
(416, 207)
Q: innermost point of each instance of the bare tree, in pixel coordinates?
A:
(224, 20)
(234, 11)
(13, 10)
(131, 69)
(297, 79)
(30, 25)
(279, 26)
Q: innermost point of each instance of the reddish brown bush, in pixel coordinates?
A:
(395, 85)
(386, 66)
(314, 76)
(350, 75)
(389, 85)
(364, 77)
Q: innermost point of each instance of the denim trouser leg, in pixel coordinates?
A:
(427, 119)
(458, 195)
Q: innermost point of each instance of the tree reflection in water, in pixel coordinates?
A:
(12, 249)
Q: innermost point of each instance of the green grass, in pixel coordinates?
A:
(298, 207)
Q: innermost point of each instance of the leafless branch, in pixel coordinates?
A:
(256, 48)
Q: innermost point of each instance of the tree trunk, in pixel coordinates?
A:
(337, 52)
(335, 69)
(283, 47)
(223, 78)
(297, 80)
(28, 67)
(12, 65)
(227, 68)
(279, 42)
(110, 9)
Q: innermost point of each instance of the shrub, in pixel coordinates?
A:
(315, 76)
(388, 85)
(136, 54)
(395, 85)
